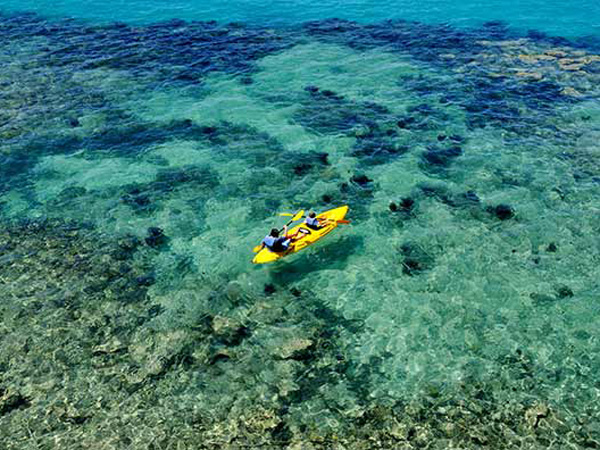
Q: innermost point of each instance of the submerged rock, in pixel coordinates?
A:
(111, 347)
(295, 348)
(129, 242)
(234, 291)
(302, 164)
(438, 191)
(146, 280)
(378, 148)
(72, 192)
(502, 211)
(11, 400)
(361, 179)
(156, 237)
(74, 122)
(404, 209)
(269, 289)
(406, 204)
(441, 157)
(542, 299)
(535, 414)
(415, 259)
(328, 112)
(564, 291)
(405, 122)
(469, 200)
(229, 332)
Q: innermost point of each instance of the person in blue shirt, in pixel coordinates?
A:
(312, 222)
(276, 243)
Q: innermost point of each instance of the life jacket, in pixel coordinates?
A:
(276, 244)
(313, 222)
(269, 240)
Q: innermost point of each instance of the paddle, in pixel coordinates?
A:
(297, 216)
(341, 221)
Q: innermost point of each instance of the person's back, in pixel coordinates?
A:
(312, 222)
(276, 243)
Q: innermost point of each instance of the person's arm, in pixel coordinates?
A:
(290, 237)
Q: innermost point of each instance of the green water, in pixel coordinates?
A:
(446, 324)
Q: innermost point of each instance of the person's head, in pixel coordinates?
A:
(312, 215)
(274, 232)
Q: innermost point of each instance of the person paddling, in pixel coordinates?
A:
(276, 243)
(276, 246)
(312, 222)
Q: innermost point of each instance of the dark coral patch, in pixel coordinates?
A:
(467, 199)
(200, 47)
(378, 148)
(269, 289)
(301, 164)
(490, 96)
(328, 112)
(145, 198)
(435, 158)
(156, 237)
(415, 259)
(501, 211)
(10, 401)
(405, 207)
(200, 176)
(361, 180)
(564, 291)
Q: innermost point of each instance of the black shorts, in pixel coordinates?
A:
(279, 246)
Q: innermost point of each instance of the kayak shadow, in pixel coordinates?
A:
(326, 255)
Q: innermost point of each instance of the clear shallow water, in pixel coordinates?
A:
(459, 309)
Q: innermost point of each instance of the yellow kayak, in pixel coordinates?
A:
(305, 237)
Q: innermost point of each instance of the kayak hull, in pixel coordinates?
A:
(305, 237)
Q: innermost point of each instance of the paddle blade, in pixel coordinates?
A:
(298, 215)
(286, 214)
(343, 221)
(257, 249)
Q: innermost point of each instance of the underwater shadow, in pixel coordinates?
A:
(330, 255)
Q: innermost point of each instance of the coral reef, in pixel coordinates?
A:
(456, 312)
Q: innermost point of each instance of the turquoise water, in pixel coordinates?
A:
(575, 18)
(141, 161)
